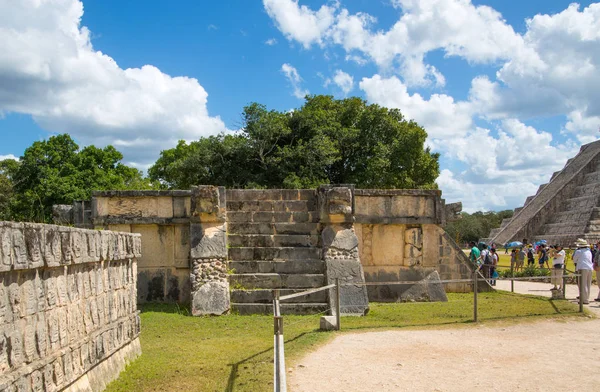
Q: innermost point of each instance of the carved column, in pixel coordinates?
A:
(208, 253)
(340, 248)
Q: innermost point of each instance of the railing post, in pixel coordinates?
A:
(475, 289)
(338, 306)
(279, 379)
(580, 280)
(564, 284)
(512, 276)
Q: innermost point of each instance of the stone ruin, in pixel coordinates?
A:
(224, 250)
(564, 209)
(68, 309)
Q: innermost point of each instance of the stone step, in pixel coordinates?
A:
(528, 200)
(587, 189)
(595, 213)
(270, 194)
(275, 281)
(271, 241)
(282, 253)
(495, 231)
(273, 228)
(580, 203)
(593, 226)
(563, 228)
(572, 217)
(273, 205)
(591, 178)
(540, 188)
(517, 210)
(286, 308)
(280, 267)
(266, 296)
(505, 222)
(566, 240)
(554, 175)
(272, 217)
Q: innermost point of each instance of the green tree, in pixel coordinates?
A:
(324, 141)
(473, 227)
(8, 168)
(57, 171)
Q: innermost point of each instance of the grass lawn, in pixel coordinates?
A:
(235, 353)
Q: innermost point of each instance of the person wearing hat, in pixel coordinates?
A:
(583, 259)
(557, 267)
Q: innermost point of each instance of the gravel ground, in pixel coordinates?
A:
(551, 355)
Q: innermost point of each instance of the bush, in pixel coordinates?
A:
(529, 271)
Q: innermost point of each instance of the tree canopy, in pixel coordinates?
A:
(324, 141)
(57, 171)
(478, 225)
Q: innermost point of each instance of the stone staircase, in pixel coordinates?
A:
(274, 242)
(560, 210)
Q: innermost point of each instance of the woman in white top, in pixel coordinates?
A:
(557, 267)
(583, 259)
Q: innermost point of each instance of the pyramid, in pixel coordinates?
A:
(564, 209)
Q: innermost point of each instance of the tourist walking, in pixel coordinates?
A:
(521, 258)
(513, 260)
(530, 257)
(542, 256)
(493, 273)
(475, 253)
(583, 259)
(557, 267)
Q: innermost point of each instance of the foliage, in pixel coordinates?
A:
(8, 169)
(235, 353)
(528, 271)
(56, 171)
(324, 141)
(478, 225)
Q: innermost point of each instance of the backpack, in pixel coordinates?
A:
(488, 258)
(530, 253)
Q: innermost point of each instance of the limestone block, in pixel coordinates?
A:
(41, 335)
(339, 201)
(6, 249)
(19, 246)
(15, 342)
(414, 236)
(208, 241)
(53, 330)
(4, 364)
(63, 331)
(61, 287)
(328, 323)
(354, 299)
(28, 293)
(14, 296)
(105, 245)
(52, 248)
(208, 204)
(340, 237)
(49, 385)
(29, 342)
(137, 243)
(33, 240)
(50, 288)
(67, 251)
(428, 289)
(91, 246)
(76, 245)
(37, 381)
(211, 298)
(5, 311)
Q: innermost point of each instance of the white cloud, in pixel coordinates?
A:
(456, 23)
(342, 80)
(300, 23)
(9, 156)
(440, 115)
(271, 42)
(50, 70)
(295, 80)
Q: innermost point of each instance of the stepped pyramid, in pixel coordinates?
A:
(564, 209)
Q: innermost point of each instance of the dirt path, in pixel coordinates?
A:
(551, 355)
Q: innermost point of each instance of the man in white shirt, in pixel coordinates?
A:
(583, 259)
(557, 267)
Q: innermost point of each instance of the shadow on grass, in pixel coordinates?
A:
(233, 374)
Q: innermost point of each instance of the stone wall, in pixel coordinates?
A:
(163, 219)
(68, 312)
(401, 238)
(191, 237)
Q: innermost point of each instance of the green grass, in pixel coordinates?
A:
(234, 353)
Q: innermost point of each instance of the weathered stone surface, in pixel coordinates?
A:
(211, 298)
(62, 214)
(328, 323)
(208, 241)
(208, 203)
(54, 308)
(354, 299)
(339, 238)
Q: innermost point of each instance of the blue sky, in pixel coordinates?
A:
(479, 77)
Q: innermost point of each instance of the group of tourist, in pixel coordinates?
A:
(586, 259)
